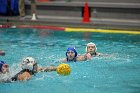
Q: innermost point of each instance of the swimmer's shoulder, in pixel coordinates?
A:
(24, 76)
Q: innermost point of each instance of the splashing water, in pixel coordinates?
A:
(119, 72)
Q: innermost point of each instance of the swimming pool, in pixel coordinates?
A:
(117, 73)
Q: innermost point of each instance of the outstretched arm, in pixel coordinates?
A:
(47, 69)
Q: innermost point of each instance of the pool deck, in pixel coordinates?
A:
(76, 21)
(73, 22)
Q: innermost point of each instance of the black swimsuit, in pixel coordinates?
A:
(15, 78)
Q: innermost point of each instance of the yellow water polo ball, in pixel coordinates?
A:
(63, 69)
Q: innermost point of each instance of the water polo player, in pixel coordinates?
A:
(91, 51)
(4, 68)
(4, 71)
(72, 56)
(30, 67)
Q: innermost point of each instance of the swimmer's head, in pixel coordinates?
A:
(28, 63)
(2, 53)
(71, 53)
(91, 48)
(4, 67)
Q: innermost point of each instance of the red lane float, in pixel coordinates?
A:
(33, 26)
(41, 27)
(5, 26)
(42, 0)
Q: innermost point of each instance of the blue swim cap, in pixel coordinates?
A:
(1, 64)
(72, 49)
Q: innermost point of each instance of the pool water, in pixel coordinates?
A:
(119, 72)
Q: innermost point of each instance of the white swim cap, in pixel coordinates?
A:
(91, 44)
(28, 63)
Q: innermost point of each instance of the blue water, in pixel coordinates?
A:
(117, 73)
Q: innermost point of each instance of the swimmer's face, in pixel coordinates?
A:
(5, 68)
(91, 49)
(70, 55)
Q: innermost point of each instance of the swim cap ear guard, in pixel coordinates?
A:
(1, 64)
(72, 49)
(28, 63)
(35, 66)
(91, 44)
